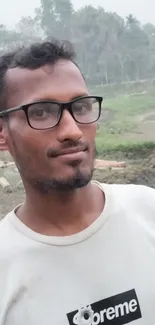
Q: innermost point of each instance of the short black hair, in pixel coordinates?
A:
(33, 57)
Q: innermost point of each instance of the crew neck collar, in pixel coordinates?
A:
(72, 239)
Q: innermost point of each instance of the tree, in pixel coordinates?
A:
(136, 43)
(29, 29)
(8, 39)
(64, 13)
(56, 18)
(109, 48)
(131, 21)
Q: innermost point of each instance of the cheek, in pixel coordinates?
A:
(94, 130)
(89, 133)
(22, 133)
(24, 140)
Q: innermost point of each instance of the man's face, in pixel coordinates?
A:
(33, 150)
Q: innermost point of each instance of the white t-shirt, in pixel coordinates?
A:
(102, 275)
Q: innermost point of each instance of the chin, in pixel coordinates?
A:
(73, 172)
(67, 182)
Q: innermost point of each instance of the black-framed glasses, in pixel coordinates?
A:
(42, 115)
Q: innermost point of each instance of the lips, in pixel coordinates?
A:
(71, 151)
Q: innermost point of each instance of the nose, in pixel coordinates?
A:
(68, 129)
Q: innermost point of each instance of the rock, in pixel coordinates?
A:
(102, 164)
(5, 185)
(4, 164)
(20, 185)
(152, 163)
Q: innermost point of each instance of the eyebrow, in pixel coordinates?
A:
(76, 97)
(55, 100)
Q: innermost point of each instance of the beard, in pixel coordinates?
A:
(78, 180)
(46, 185)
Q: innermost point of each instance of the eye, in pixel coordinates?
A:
(39, 112)
(43, 110)
(82, 106)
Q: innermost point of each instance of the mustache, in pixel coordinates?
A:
(79, 145)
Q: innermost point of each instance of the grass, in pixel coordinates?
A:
(128, 150)
(124, 118)
(130, 104)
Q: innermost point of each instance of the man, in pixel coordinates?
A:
(76, 251)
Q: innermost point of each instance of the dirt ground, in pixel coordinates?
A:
(9, 201)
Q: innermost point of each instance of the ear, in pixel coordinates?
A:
(3, 136)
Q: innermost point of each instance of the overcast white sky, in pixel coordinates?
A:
(144, 10)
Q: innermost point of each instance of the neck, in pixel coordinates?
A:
(62, 213)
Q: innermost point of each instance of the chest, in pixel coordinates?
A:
(93, 286)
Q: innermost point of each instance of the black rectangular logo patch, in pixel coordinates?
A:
(117, 310)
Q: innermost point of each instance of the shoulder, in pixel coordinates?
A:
(141, 195)
(5, 231)
(131, 191)
(134, 202)
(9, 237)
(138, 194)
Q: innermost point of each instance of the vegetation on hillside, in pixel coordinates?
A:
(109, 49)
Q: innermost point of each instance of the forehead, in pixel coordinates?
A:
(61, 81)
